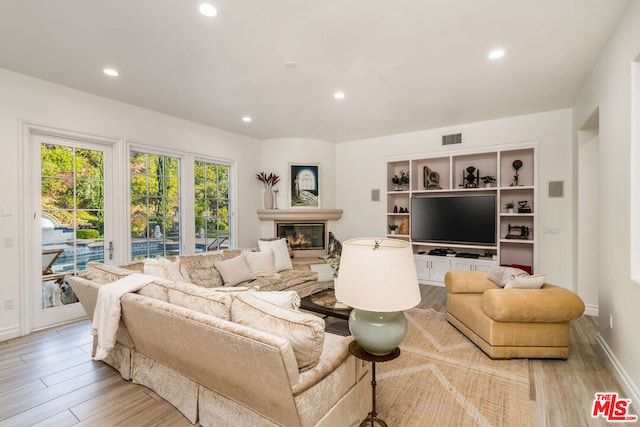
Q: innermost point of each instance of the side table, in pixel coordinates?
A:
(359, 352)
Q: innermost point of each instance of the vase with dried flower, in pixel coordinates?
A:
(268, 181)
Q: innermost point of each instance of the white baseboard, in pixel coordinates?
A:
(9, 332)
(591, 310)
(628, 386)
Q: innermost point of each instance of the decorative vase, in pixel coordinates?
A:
(510, 210)
(268, 199)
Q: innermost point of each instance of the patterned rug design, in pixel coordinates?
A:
(442, 379)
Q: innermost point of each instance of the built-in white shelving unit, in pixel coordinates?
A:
(451, 166)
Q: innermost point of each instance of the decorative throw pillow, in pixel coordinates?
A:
(286, 299)
(105, 273)
(204, 300)
(500, 275)
(234, 270)
(261, 264)
(163, 268)
(526, 282)
(304, 331)
(264, 239)
(280, 253)
(158, 289)
(200, 269)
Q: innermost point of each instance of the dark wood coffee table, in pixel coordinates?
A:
(324, 300)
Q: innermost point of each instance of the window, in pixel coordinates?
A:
(155, 205)
(212, 219)
(72, 195)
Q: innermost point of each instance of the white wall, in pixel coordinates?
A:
(279, 153)
(37, 101)
(361, 167)
(609, 91)
(587, 219)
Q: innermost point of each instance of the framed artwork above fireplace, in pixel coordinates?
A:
(304, 185)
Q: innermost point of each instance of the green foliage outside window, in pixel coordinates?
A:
(87, 234)
(155, 195)
(72, 183)
(211, 183)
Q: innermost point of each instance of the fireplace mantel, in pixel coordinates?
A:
(299, 214)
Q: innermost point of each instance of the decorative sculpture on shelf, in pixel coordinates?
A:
(431, 179)
(517, 164)
(523, 207)
(335, 247)
(404, 227)
(472, 178)
(524, 232)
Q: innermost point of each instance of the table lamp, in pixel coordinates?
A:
(378, 279)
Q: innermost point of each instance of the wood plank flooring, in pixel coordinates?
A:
(48, 379)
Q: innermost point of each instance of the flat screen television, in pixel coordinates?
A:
(462, 219)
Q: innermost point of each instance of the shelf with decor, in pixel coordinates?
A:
(484, 182)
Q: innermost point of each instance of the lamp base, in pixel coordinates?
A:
(378, 333)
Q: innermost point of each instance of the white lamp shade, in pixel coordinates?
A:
(377, 274)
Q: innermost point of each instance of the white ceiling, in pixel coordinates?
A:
(404, 65)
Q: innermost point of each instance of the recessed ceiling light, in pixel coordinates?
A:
(246, 119)
(339, 95)
(496, 54)
(110, 72)
(208, 10)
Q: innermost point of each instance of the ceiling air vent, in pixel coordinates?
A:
(454, 138)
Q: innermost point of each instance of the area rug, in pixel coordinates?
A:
(442, 379)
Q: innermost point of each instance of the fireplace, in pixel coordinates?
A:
(287, 223)
(304, 236)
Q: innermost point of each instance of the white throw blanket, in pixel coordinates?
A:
(106, 317)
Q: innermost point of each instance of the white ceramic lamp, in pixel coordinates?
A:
(378, 279)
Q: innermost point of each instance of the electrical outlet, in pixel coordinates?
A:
(9, 304)
(8, 241)
(610, 321)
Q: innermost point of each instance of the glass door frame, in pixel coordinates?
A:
(33, 317)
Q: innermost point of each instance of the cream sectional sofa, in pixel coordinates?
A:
(225, 357)
(200, 269)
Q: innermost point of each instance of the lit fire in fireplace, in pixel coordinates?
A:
(300, 241)
(305, 236)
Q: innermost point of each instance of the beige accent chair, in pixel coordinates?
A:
(511, 323)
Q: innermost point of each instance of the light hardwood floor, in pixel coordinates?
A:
(48, 379)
